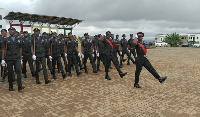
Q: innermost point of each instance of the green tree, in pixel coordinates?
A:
(173, 39)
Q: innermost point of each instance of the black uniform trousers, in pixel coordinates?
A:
(128, 54)
(48, 62)
(59, 64)
(41, 60)
(100, 58)
(115, 55)
(30, 62)
(132, 51)
(17, 67)
(141, 61)
(86, 56)
(65, 61)
(72, 60)
(108, 58)
(78, 60)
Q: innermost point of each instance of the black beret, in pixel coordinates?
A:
(69, 33)
(25, 32)
(99, 35)
(11, 28)
(3, 30)
(44, 33)
(36, 29)
(85, 34)
(140, 34)
(117, 35)
(123, 35)
(131, 34)
(108, 32)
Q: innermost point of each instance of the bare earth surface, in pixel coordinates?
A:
(93, 96)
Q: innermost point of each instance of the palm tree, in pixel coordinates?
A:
(173, 39)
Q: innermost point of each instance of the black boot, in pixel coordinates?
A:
(79, 73)
(122, 74)
(162, 79)
(70, 74)
(11, 87)
(107, 77)
(94, 71)
(98, 70)
(25, 76)
(86, 71)
(38, 81)
(20, 88)
(136, 85)
(54, 77)
(63, 75)
(2, 79)
(47, 81)
(128, 63)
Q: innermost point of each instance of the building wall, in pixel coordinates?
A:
(2, 21)
(160, 37)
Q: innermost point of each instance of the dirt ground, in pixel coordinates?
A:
(90, 95)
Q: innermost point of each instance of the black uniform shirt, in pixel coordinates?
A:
(130, 43)
(108, 48)
(101, 47)
(124, 44)
(26, 46)
(87, 44)
(139, 49)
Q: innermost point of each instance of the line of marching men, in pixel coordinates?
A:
(49, 49)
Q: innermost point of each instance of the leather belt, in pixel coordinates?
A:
(141, 55)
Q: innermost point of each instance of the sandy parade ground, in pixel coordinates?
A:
(90, 95)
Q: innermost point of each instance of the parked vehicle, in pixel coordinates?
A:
(185, 44)
(197, 45)
(147, 43)
(160, 44)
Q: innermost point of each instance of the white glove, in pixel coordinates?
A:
(129, 51)
(21, 61)
(50, 58)
(82, 55)
(136, 36)
(93, 50)
(97, 54)
(79, 54)
(92, 55)
(34, 57)
(65, 54)
(96, 51)
(3, 63)
(120, 53)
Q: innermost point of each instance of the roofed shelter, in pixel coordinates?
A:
(59, 22)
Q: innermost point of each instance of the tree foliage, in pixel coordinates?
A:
(173, 39)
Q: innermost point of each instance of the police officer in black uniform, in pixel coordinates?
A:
(116, 45)
(141, 60)
(27, 54)
(56, 54)
(94, 44)
(100, 53)
(13, 57)
(87, 52)
(131, 48)
(109, 55)
(47, 46)
(2, 41)
(70, 53)
(39, 56)
(78, 58)
(123, 50)
(62, 49)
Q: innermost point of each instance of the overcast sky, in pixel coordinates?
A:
(118, 16)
